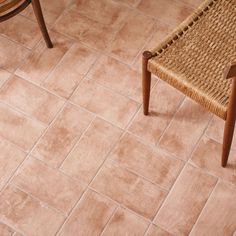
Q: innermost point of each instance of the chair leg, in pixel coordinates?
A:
(229, 126)
(39, 16)
(146, 81)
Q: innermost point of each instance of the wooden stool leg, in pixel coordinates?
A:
(229, 125)
(146, 81)
(39, 16)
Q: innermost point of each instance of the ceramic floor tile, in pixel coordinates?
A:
(154, 165)
(10, 158)
(31, 99)
(48, 185)
(5, 230)
(27, 214)
(115, 75)
(207, 156)
(42, 60)
(132, 37)
(21, 30)
(62, 135)
(194, 3)
(19, 129)
(103, 11)
(163, 9)
(11, 54)
(186, 200)
(220, 221)
(124, 222)
(87, 30)
(51, 10)
(215, 131)
(156, 231)
(85, 160)
(90, 216)
(110, 105)
(129, 189)
(4, 75)
(71, 69)
(163, 104)
(132, 3)
(178, 139)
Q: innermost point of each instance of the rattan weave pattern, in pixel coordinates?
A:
(194, 57)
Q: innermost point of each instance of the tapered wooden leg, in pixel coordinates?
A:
(146, 81)
(229, 125)
(39, 16)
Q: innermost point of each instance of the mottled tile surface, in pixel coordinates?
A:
(77, 155)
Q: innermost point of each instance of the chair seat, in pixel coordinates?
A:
(194, 57)
(6, 5)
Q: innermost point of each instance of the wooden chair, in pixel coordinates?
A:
(198, 59)
(10, 8)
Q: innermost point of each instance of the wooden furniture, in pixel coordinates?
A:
(10, 8)
(197, 59)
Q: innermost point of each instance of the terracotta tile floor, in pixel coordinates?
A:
(77, 156)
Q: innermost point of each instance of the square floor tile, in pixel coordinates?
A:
(19, 129)
(124, 222)
(27, 214)
(49, 185)
(185, 201)
(110, 105)
(90, 216)
(91, 151)
(129, 189)
(31, 99)
(159, 168)
(62, 135)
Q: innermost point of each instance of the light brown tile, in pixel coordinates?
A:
(49, 185)
(163, 9)
(124, 222)
(129, 189)
(132, 3)
(11, 54)
(219, 215)
(10, 158)
(21, 30)
(27, 214)
(157, 231)
(87, 30)
(215, 131)
(85, 160)
(186, 200)
(5, 230)
(4, 75)
(19, 129)
(115, 75)
(51, 10)
(194, 3)
(71, 69)
(186, 129)
(90, 216)
(207, 156)
(164, 102)
(62, 135)
(154, 165)
(103, 11)
(110, 105)
(31, 99)
(42, 60)
(132, 36)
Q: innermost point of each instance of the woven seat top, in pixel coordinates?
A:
(194, 57)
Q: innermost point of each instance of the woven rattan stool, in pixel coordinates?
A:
(197, 59)
(10, 8)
